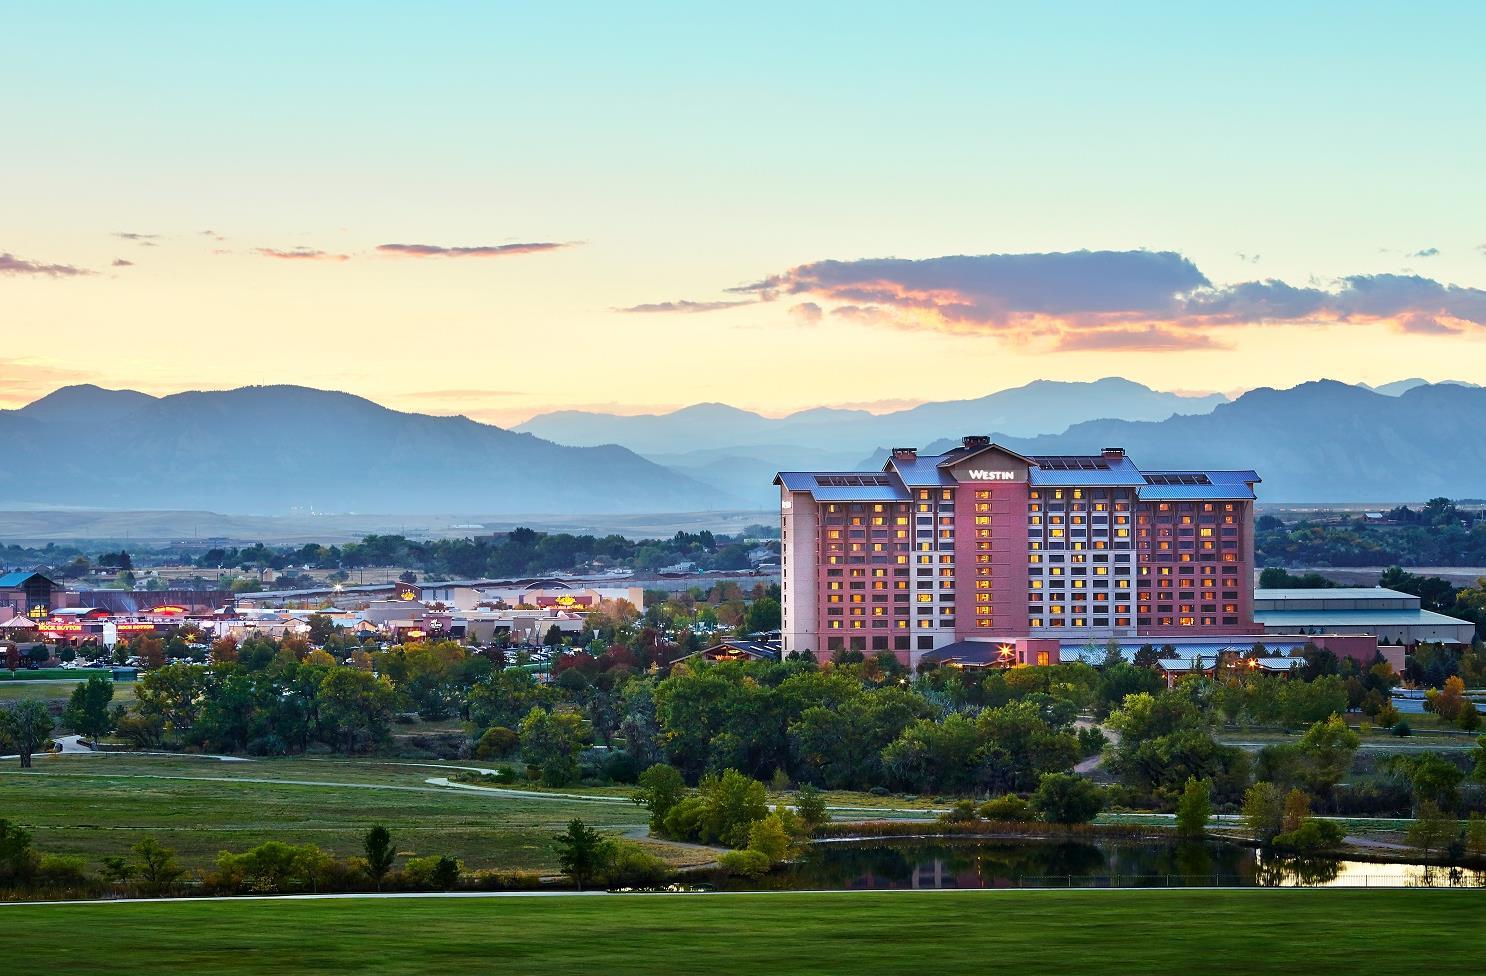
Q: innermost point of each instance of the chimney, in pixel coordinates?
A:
(972, 441)
(905, 454)
(1112, 453)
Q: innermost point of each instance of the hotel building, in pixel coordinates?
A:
(1033, 553)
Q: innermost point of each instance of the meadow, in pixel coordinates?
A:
(100, 805)
(950, 932)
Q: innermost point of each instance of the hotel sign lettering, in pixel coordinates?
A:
(981, 474)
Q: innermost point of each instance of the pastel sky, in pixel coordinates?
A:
(501, 208)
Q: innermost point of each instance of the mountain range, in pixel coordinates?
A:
(274, 449)
(1039, 407)
(1319, 441)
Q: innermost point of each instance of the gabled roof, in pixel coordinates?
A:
(21, 578)
(920, 472)
(966, 453)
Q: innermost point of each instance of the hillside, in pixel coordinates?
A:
(273, 449)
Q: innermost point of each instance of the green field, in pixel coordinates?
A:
(98, 805)
(57, 691)
(1121, 931)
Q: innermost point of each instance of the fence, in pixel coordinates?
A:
(1421, 878)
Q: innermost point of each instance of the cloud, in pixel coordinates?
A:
(1151, 338)
(10, 264)
(807, 312)
(1248, 258)
(143, 240)
(25, 380)
(1111, 300)
(123, 263)
(483, 251)
(1428, 252)
(685, 306)
(213, 235)
(300, 254)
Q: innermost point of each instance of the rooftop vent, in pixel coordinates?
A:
(905, 453)
(972, 441)
(1112, 452)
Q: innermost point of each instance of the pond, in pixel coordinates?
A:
(961, 863)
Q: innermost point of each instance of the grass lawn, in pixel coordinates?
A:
(1131, 931)
(56, 691)
(96, 805)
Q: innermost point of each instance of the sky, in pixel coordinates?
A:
(500, 209)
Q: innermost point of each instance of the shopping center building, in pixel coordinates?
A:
(1033, 553)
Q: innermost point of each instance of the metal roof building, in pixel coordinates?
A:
(1394, 617)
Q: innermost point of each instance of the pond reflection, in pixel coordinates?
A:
(920, 863)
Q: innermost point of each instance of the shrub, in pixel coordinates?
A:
(498, 880)
(272, 867)
(632, 866)
(621, 767)
(432, 871)
(267, 745)
(1401, 728)
(63, 870)
(1311, 836)
(1008, 808)
(746, 863)
(962, 812)
(1064, 798)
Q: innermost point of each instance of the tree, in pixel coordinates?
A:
(157, 867)
(582, 853)
(660, 789)
(18, 860)
(770, 838)
(379, 853)
(550, 741)
(1263, 812)
(811, 807)
(723, 810)
(27, 726)
(1327, 748)
(1431, 830)
(763, 614)
(355, 707)
(1065, 798)
(1195, 807)
(321, 628)
(1435, 780)
(1297, 811)
(87, 710)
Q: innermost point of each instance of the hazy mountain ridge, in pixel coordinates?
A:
(1042, 406)
(1319, 441)
(269, 449)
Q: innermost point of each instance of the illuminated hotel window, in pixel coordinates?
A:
(1034, 494)
(982, 520)
(982, 623)
(923, 493)
(1078, 493)
(983, 495)
(1035, 621)
(1057, 494)
(982, 507)
(947, 495)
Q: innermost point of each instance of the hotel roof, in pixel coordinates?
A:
(904, 471)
